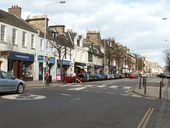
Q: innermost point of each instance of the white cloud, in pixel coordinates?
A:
(136, 24)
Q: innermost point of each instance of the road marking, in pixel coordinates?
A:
(23, 97)
(126, 87)
(102, 86)
(78, 88)
(64, 94)
(146, 118)
(113, 86)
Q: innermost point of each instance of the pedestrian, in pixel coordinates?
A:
(85, 76)
(47, 78)
(74, 77)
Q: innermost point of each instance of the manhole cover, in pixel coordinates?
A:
(23, 97)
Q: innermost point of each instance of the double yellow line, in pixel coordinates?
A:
(146, 118)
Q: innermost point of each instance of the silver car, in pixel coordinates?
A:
(9, 83)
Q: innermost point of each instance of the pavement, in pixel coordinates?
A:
(30, 84)
(163, 117)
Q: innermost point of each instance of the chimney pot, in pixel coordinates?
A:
(16, 10)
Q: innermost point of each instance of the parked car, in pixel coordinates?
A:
(118, 76)
(91, 77)
(98, 77)
(9, 83)
(68, 79)
(133, 76)
(161, 75)
(164, 75)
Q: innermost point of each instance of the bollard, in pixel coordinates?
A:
(160, 89)
(140, 80)
(144, 85)
(162, 82)
(143, 81)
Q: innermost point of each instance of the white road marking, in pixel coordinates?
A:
(64, 94)
(127, 87)
(23, 97)
(113, 86)
(78, 88)
(102, 86)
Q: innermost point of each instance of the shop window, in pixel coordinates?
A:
(27, 69)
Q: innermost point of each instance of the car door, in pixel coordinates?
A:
(12, 83)
(9, 83)
(3, 81)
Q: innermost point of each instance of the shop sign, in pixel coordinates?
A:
(51, 60)
(41, 58)
(21, 56)
(97, 66)
(66, 62)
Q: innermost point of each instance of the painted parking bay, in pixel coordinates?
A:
(23, 97)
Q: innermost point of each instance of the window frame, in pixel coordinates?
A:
(24, 39)
(14, 36)
(3, 33)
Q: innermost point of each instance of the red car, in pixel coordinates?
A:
(133, 76)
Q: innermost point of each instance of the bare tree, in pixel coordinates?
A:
(167, 59)
(129, 62)
(109, 45)
(61, 43)
(120, 56)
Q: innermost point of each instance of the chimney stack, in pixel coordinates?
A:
(39, 22)
(58, 28)
(15, 10)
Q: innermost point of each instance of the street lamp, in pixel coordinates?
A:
(46, 5)
(45, 29)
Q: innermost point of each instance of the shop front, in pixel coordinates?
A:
(63, 67)
(41, 60)
(21, 65)
(98, 69)
(90, 68)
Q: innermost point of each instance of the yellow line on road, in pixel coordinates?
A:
(146, 118)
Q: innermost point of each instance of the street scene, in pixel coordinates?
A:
(102, 104)
(84, 64)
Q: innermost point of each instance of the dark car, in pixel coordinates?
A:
(161, 75)
(9, 83)
(118, 76)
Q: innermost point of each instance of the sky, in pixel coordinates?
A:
(137, 24)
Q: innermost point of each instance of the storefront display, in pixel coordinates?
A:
(21, 65)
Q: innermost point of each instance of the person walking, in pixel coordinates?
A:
(74, 77)
(47, 78)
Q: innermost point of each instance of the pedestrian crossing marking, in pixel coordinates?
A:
(102, 86)
(126, 87)
(78, 88)
(113, 86)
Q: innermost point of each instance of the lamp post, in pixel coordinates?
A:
(46, 26)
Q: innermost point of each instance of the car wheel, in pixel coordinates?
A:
(20, 89)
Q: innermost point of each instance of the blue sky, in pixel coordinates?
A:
(137, 24)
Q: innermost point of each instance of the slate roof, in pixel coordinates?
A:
(13, 20)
